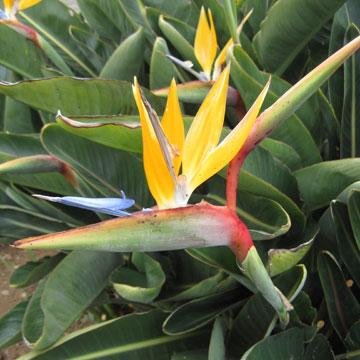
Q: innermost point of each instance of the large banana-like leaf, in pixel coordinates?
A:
(41, 18)
(284, 32)
(350, 124)
(348, 14)
(131, 337)
(12, 47)
(75, 96)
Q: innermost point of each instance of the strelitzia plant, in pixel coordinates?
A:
(176, 224)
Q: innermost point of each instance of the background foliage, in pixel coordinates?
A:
(299, 190)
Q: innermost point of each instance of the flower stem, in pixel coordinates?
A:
(232, 179)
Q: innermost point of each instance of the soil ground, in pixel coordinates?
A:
(10, 259)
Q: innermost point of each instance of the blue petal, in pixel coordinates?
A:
(110, 206)
(3, 14)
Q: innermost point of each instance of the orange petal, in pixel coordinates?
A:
(173, 126)
(205, 130)
(160, 181)
(24, 4)
(205, 45)
(221, 59)
(231, 145)
(8, 5)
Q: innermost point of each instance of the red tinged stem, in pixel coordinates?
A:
(232, 179)
(25, 30)
(236, 163)
(242, 242)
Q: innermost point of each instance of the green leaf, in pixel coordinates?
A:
(131, 337)
(191, 355)
(50, 182)
(350, 129)
(349, 253)
(41, 18)
(99, 165)
(283, 152)
(74, 96)
(319, 193)
(295, 97)
(33, 164)
(280, 260)
(126, 60)
(187, 12)
(18, 223)
(185, 49)
(10, 325)
(13, 46)
(283, 33)
(347, 14)
(162, 70)
(254, 321)
(304, 313)
(217, 345)
(14, 145)
(65, 294)
(231, 17)
(202, 288)
(143, 285)
(119, 132)
(221, 258)
(193, 92)
(257, 186)
(249, 81)
(257, 318)
(44, 208)
(197, 313)
(342, 306)
(101, 17)
(265, 218)
(17, 116)
(261, 164)
(352, 338)
(319, 349)
(259, 9)
(354, 213)
(288, 344)
(33, 271)
(134, 11)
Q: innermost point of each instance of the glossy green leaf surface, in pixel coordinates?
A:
(129, 337)
(13, 45)
(75, 96)
(47, 318)
(283, 33)
(34, 271)
(142, 285)
(343, 307)
(319, 193)
(10, 325)
(126, 60)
